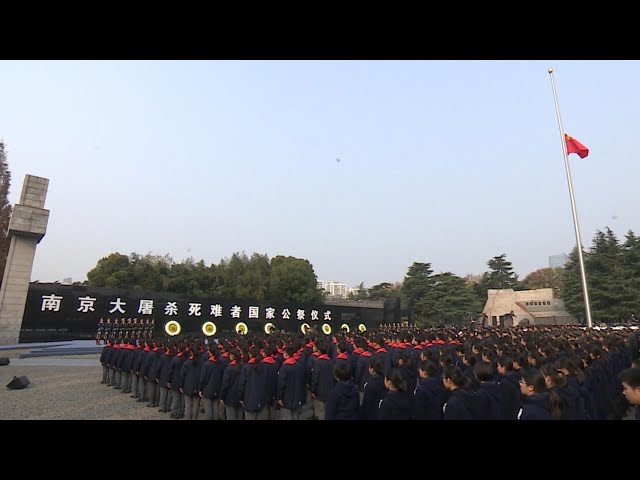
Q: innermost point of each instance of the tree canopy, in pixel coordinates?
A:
(281, 279)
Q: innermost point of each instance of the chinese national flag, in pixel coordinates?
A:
(574, 146)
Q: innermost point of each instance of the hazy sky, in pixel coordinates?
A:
(447, 162)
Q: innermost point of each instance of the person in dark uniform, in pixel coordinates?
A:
(128, 331)
(630, 379)
(397, 404)
(374, 390)
(459, 405)
(115, 330)
(107, 329)
(100, 332)
(343, 401)
(141, 329)
(134, 329)
(147, 329)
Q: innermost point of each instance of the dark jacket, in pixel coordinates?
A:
(175, 371)
(288, 385)
(271, 366)
(429, 398)
(459, 406)
(343, 402)
(229, 390)
(374, 391)
(252, 386)
(322, 379)
(211, 379)
(536, 407)
(163, 373)
(487, 402)
(511, 397)
(154, 365)
(410, 375)
(191, 371)
(396, 405)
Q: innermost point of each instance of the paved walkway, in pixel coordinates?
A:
(44, 353)
(59, 362)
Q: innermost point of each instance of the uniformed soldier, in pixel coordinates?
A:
(100, 332)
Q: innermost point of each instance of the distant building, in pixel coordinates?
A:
(558, 261)
(335, 289)
(67, 281)
(506, 307)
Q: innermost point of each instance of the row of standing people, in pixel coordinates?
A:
(317, 379)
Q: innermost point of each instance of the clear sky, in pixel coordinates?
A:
(447, 162)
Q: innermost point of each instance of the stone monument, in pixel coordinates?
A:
(27, 226)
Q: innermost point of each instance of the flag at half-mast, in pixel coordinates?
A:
(574, 146)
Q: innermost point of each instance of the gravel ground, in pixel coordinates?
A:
(67, 393)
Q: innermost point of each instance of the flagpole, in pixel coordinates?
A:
(573, 204)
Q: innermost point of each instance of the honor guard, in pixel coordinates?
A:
(100, 332)
(147, 329)
(134, 329)
(115, 331)
(128, 331)
(107, 329)
(141, 329)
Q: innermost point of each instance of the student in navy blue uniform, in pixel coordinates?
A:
(575, 381)
(374, 390)
(191, 378)
(342, 355)
(175, 383)
(536, 403)
(210, 384)
(469, 361)
(343, 402)
(355, 354)
(407, 369)
(305, 412)
(488, 400)
(287, 395)
(271, 367)
(127, 366)
(152, 375)
(630, 379)
(459, 405)
(565, 403)
(144, 369)
(397, 404)
(509, 383)
(104, 356)
(362, 368)
(114, 362)
(430, 394)
(252, 387)
(229, 397)
(322, 378)
(136, 381)
(163, 379)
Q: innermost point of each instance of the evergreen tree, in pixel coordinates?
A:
(500, 276)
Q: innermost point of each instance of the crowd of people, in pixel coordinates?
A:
(393, 373)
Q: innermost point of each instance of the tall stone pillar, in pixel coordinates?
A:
(27, 227)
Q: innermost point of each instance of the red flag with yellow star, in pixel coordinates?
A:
(574, 146)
